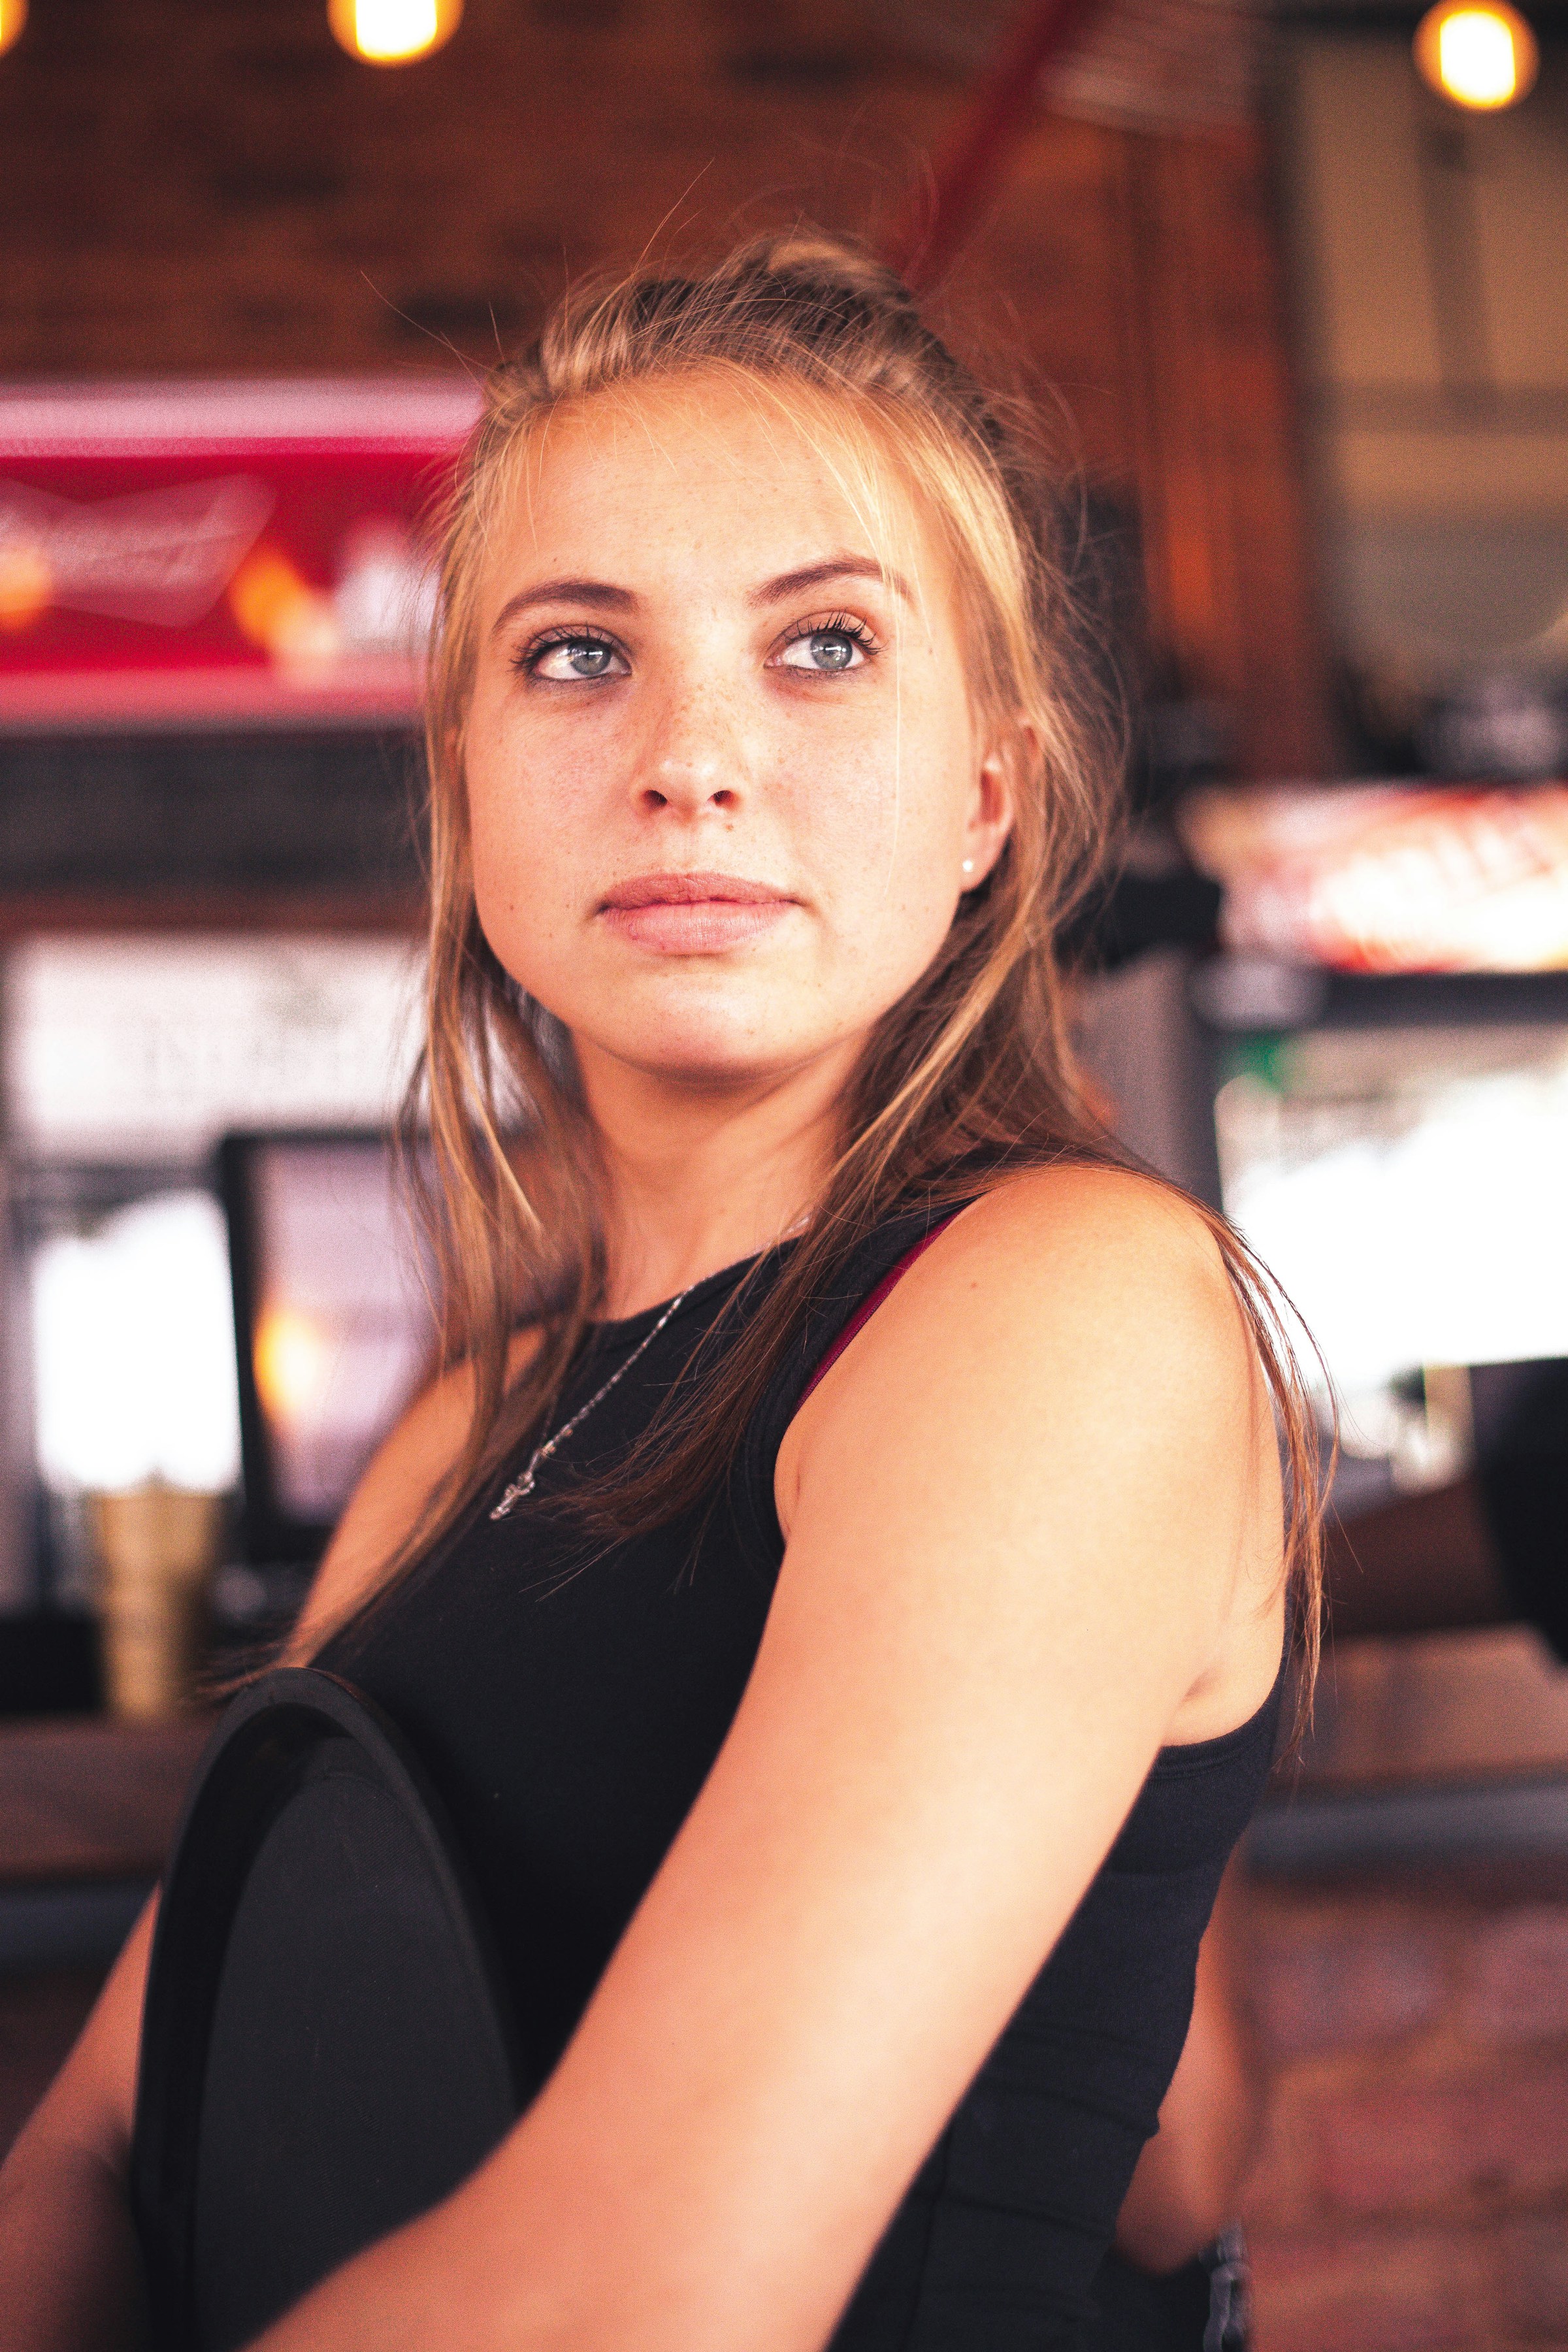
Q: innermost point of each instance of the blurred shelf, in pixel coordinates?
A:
(1447, 1750)
(216, 908)
(1437, 1707)
(1436, 1752)
(91, 1800)
(1497, 1826)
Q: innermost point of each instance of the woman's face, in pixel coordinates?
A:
(723, 774)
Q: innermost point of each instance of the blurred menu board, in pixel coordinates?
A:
(1389, 878)
(217, 554)
(128, 1047)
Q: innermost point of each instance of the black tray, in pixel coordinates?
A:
(327, 2047)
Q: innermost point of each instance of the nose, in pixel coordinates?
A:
(694, 757)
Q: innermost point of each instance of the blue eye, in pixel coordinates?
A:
(827, 652)
(565, 660)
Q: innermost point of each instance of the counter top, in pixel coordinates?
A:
(85, 1798)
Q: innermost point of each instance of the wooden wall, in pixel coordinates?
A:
(194, 187)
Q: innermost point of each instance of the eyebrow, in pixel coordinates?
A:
(600, 595)
(603, 597)
(817, 575)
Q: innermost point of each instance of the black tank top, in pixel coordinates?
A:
(569, 1701)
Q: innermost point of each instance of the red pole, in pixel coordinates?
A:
(936, 220)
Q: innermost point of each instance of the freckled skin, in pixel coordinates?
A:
(715, 739)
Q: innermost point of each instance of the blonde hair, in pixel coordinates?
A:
(969, 1075)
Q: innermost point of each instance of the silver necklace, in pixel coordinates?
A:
(521, 1488)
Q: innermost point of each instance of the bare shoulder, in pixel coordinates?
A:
(1064, 1267)
(397, 1485)
(1068, 1355)
(1066, 1289)
(1099, 1230)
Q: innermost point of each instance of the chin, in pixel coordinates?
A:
(703, 1061)
(724, 1044)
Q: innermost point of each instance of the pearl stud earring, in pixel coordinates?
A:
(969, 865)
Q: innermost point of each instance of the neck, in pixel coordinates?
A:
(699, 1178)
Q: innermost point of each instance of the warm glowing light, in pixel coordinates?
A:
(133, 1359)
(293, 1360)
(391, 32)
(1480, 56)
(279, 611)
(12, 16)
(27, 584)
(394, 28)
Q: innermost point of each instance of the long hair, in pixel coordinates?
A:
(970, 1075)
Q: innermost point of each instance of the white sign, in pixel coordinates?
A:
(128, 1047)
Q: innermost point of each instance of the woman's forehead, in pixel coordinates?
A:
(717, 465)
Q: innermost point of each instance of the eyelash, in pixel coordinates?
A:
(835, 625)
(581, 633)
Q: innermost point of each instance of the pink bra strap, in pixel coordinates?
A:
(868, 1306)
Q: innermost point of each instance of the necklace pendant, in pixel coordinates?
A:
(518, 1492)
(521, 1488)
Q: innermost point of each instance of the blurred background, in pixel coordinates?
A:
(1289, 285)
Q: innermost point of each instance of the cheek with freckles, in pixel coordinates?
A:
(870, 835)
(888, 843)
(533, 866)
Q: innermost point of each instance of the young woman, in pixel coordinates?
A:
(840, 1585)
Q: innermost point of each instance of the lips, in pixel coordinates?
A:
(692, 914)
(692, 890)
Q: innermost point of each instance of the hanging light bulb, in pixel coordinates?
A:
(1478, 53)
(391, 32)
(12, 16)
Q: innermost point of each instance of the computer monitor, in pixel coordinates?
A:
(333, 1323)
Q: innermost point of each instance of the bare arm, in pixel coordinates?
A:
(1051, 1434)
(71, 2277)
(68, 2253)
(1190, 2174)
(1414, 1565)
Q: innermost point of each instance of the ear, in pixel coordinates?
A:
(993, 800)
